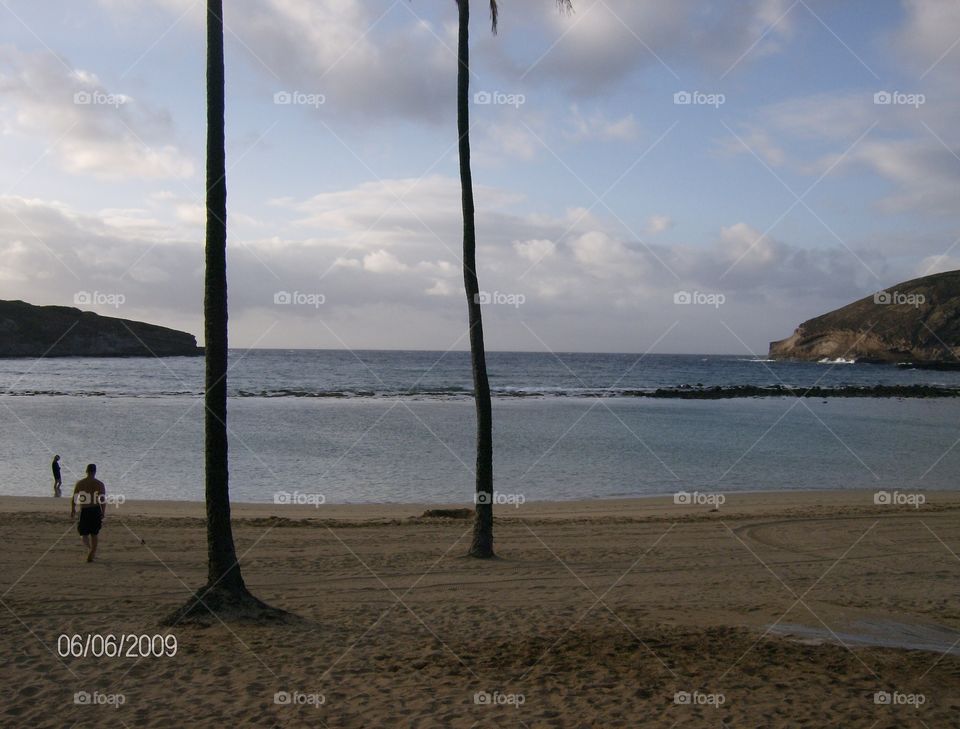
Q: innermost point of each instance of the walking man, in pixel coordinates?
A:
(57, 481)
(91, 495)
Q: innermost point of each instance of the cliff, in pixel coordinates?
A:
(62, 331)
(914, 321)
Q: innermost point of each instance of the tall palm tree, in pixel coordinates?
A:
(221, 555)
(482, 544)
(225, 591)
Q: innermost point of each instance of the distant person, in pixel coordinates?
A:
(90, 494)
(57, 481)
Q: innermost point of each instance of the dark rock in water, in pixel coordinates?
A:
(62, 331)
(447, 514)
(943, 366)
(736, 391)
(915, 321)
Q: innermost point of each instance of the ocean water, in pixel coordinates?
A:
(329, 373)
(398, 426)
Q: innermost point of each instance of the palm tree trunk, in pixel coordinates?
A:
(225, 593)
(482, 545)
(223, 569)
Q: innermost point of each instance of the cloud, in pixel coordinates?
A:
(403, 212)
(395, 286)
(383, 262)
(604, 255)
(342, 262)
(604, 41)
(926, 176)
(92, 130)
(747, 247)
(657, 224)
(389, 62)
(377, 61)
(338, 49)
(535, 250)
(928, 37)
(598, 127)
(442, 288)
(840, 133)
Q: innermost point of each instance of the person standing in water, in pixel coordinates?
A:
(90, 494)
(57, 481)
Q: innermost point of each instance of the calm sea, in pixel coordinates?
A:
(398, 426)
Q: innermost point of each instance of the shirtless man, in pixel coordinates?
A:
(90, 494)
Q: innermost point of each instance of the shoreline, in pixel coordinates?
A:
(675, 392)
(735, 504)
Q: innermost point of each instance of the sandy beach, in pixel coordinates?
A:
(795, 609)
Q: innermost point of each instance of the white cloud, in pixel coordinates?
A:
(597, 126)
(657, 224)
(441, 288)
(374, 292)
(749, 247)
(92, 130)
(603, 41)
(342, 262)
(926, 176)
(383, 262)
(375, 60)
(929, 35)
(192, 213)
(604, 255)
(535, 250)
(846, 132)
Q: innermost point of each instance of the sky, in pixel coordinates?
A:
(687, 177)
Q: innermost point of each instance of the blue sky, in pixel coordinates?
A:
(599, 197)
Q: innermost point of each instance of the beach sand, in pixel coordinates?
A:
(602, 613)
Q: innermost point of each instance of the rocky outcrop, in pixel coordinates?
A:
(62, 331)
(915, 321)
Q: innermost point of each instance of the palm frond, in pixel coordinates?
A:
(564, 6)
